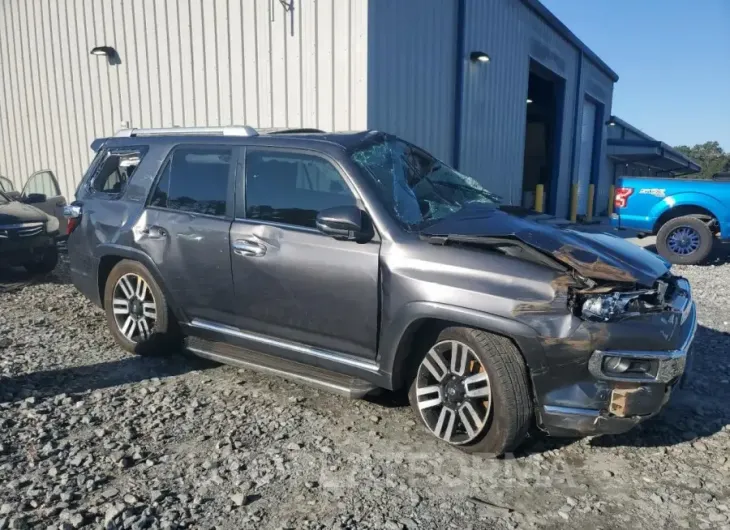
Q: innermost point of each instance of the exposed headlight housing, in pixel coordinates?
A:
(603, 308)
(607, 306)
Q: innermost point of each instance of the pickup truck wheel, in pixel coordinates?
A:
(471, 390)
(45, 264)
(137, 312)
(684, 240)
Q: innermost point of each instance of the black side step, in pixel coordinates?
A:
(344, 385)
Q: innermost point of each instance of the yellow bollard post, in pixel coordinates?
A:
(539, 191)
(574, 203)
(591, 192)
(611, 195)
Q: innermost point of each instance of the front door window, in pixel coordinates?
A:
(43, 183)
(292, 188)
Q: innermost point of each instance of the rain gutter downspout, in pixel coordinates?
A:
(458, 81)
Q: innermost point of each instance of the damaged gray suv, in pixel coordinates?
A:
(358, 261)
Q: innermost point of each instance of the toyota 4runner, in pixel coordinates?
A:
(357, 261)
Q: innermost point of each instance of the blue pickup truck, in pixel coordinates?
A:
(686, 215)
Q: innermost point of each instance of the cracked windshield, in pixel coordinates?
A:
(417, 188)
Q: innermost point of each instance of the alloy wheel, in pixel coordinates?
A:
(134, 307)
(683, 240)
(453, 392)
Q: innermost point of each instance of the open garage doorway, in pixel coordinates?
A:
(545, 97)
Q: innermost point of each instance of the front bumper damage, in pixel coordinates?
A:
(598, 402)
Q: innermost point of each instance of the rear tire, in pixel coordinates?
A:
(137, 313)
(46, 264)
(499, 409)
(685, 240)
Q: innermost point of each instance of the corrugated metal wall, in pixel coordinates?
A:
(412, 46)
(412, 83)
(183, 62)
(494, 111)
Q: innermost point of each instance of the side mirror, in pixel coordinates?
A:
(347, 223)
(35, 198)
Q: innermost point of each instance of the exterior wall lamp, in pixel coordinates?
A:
(109, 52)
(478, 57)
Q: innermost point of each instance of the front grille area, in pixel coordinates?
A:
(21, 230)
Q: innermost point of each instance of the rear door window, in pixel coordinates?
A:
(195, 179)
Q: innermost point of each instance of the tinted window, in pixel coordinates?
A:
(195, 179)
(292, 188)
(159, 196)
(43, 182)
(115, 171)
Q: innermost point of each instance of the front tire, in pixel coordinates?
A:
(137, 312)
(685, 240)
(45, 264)
(471, 390)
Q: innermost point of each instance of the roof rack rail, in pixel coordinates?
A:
(232, 130)
(283, 130)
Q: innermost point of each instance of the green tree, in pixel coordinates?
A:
(709, 155)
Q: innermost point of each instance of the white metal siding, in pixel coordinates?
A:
(183, 62)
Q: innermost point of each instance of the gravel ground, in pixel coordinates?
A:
(93, 437)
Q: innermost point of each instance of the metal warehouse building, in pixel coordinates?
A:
(635, 153)
(500, 89)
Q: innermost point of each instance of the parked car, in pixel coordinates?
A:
(686, 215)
(42, 191)
(27, 236)
(358, 261)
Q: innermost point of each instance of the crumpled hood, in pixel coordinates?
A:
(17, 212)
(599, 256)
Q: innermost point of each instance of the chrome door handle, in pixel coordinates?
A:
(245, 247)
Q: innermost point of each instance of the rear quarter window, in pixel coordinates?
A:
(112, 170)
